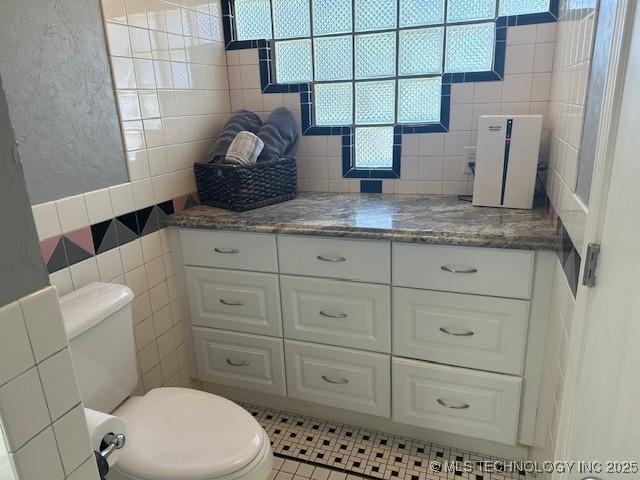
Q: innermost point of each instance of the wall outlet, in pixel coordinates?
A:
(469, 156)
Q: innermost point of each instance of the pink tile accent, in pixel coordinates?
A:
(195, 196)
(82, 237)
(47, 247)
(179, 203)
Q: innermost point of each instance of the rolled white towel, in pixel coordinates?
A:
(244, 149)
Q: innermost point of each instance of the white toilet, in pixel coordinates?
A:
(172, 433)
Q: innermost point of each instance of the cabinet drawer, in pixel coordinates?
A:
(484, 271)
(238, 301)
(363, 260)
(238, 251)
(240, 360)
(456, 400)
(342, 313)
(339, 377)
(466, 330)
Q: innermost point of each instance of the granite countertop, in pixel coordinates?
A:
(433, 219)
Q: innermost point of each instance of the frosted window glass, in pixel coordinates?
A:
(333, 102)
(466, 10)
(375, 55)
(375, 15)
(522, 7)
(470, 48)
(331, 16)
(374, 147)
(421, 51)
(293, 61)
(419, 100)
(253, 19)
(291, 18)
(421, 12)
(375, 102)
(333, 58)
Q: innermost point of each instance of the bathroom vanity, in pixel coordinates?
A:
(421, 309)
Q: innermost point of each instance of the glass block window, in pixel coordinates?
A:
(375, 147)
(469, 48)
(333, 103)
(420, 51)
(375, 55)
(333, 58)
(421, 12)
(332, 16)
(253, 19)
(374, 65)
(375, 102)
(293, 61)
(291, 18)
(375, 15)
(522, 7)
(466, 11)
(419, 100)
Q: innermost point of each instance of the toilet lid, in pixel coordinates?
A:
(187, 434)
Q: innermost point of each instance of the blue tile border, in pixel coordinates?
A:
(371, 186)
(268, 85)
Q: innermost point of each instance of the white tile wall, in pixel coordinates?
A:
(554, 368)
(568, 97)
(41, 417)
(571, 66)
(431, 163)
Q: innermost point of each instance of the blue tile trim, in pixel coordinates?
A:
(268, 85)
(371, 186)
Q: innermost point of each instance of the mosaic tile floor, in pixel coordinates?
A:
(343, 449)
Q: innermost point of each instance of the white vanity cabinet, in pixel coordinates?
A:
(448, 338)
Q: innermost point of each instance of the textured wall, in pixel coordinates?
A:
(53, 61)
(21, 267)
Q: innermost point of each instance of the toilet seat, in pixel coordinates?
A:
(179, 433)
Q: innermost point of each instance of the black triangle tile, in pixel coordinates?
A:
(75, 253)
(130, 221)
(58, 259)
(124, 233)
(147, 220)
(167, 207)
(109, 239)
(98, 232)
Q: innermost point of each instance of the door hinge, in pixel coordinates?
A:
(590, 265)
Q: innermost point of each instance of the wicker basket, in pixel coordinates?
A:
(245, 187)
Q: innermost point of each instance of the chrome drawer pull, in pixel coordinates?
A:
(231, 303)
(333, 315)
(456, 333)
(449, 269)
(226, 250)
(331, 259)
(459, 406)
(243, 363)
(341, 381)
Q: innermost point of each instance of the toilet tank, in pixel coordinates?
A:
(99, 324)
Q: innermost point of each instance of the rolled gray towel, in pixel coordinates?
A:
(279, 134)
(242, 120)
